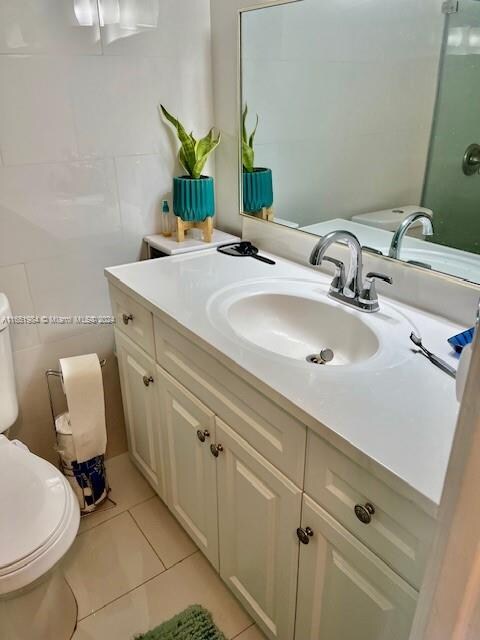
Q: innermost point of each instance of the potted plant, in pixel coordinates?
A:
(257, 181)
(193, 194)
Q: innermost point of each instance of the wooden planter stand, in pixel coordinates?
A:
(266, 213)
(206, 226)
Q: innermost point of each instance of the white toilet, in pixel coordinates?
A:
(390, 219)
(39, 519)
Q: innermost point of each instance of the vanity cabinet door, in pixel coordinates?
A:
(142, 410)
(345, 592)
(259, 512)
(192, 489)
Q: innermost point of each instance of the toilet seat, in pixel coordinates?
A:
(39, 516)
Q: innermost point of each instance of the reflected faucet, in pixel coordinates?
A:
(427, 224)
(348, 287)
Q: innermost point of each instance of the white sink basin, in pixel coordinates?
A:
(296, 327)
(294, 319)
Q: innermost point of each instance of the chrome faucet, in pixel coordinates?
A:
(404, 226)
(348, 287)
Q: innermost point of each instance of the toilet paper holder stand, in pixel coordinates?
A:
(49, 373)
(54, 373)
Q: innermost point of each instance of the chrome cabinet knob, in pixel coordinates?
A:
(216, 449)
(126, 318)
(147, 380)
(203, 435)
(304, 535)
(364, 512)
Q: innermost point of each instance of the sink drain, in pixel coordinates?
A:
(325, 356)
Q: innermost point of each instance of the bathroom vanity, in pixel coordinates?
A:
(312, 489)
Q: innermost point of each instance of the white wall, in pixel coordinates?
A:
(369, 69)
(84, 164)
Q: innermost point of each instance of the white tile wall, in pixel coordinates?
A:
(36, 113)
(143, 183)
(51, 209)
(14, 283)
(85, 161)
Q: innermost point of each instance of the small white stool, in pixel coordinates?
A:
(159, 246)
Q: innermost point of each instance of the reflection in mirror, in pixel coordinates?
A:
(365, 116)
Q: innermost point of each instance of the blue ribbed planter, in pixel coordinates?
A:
(257, 189)
(193, 199)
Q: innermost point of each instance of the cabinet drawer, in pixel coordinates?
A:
(399, 532)
(133, 320)
(266, 427)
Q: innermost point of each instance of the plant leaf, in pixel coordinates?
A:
(244, 124)
(252, 135)
(187, 152)
(203, 149)
(247, 157)
(193, 153)
(183, 161)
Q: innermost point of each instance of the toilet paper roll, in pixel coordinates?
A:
(83, 384)
(65, 444)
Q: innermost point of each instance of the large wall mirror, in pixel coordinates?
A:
(364, 115)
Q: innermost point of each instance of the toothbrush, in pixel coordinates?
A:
(438, 362)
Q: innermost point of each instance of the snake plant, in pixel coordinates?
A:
(248, 155)
(193, 153)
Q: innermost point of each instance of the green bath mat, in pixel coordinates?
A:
(195, 623)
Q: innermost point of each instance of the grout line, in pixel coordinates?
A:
(243, 631)
(197, 550)
(114, 515)
(144, 535)
(94, 613)
(84, 158)
(117, 193)
(142, 501)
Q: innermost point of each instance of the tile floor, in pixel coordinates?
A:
(133, 566)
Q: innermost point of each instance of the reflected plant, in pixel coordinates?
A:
(248, 154)
(193, 153)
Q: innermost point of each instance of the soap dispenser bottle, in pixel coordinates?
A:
(166, 225)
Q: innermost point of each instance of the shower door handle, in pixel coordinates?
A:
(471, 160)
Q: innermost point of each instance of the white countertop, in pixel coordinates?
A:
(402, 417)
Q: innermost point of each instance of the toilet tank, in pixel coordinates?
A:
(8, 392)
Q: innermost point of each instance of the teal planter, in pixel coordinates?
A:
(257, 189)
(193, 199)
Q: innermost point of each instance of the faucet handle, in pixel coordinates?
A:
(338, 281)
(368, 295)
(373, 275)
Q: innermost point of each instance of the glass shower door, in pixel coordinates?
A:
(449, 192)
